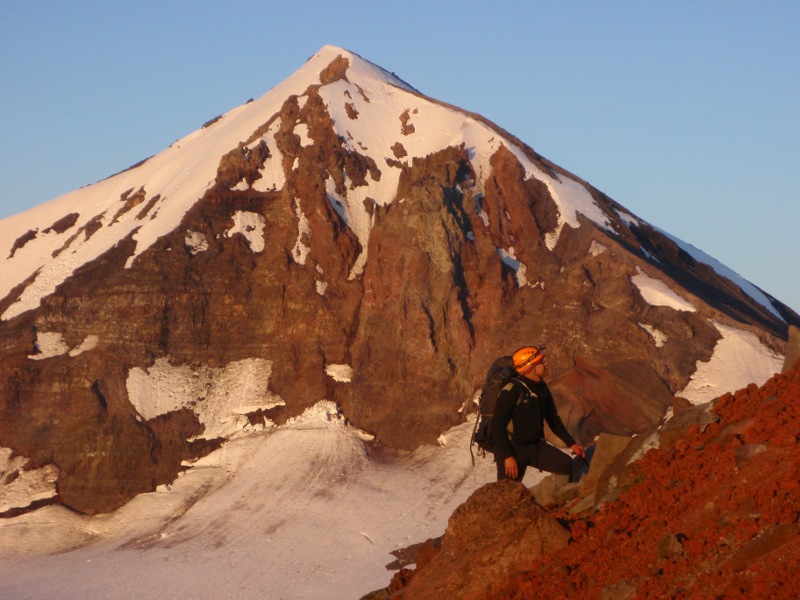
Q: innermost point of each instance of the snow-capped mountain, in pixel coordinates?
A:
(343, 238)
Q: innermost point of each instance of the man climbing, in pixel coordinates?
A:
(525, 403)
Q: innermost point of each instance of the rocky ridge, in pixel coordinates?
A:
(707, 505)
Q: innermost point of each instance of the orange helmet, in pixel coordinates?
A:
(527, 357)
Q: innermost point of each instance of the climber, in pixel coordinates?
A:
(525, 403)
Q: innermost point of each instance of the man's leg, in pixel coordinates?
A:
(551, 459)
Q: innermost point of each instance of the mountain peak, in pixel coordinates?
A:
(332, 62)
(343, 223)
(375, 114)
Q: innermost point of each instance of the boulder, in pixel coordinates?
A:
(498, 532)
(545, 492)
(557, 489)
(608, 448)
(623, 398)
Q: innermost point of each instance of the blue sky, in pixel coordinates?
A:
(686, 113)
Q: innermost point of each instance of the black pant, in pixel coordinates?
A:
(539, 455)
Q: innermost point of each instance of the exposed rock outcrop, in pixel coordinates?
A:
(500, 530)
(625, 398)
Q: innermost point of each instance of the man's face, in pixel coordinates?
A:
(541, 369)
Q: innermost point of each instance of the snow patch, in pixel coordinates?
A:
(482, 214)
(343, 373)
(321, 284)
(251, 226)
(301, 129)
(510, 260)
(301, 248)
(596, 248)
(20, 487)
(649, 256)
(89, 343)
(628, 219)
(196, 241)
(572, 199)
(739, 359)
(652, 442)
(48, 345)
(658, 293)
(352, 209)
(272, 177)
(301, 102)
(220, 397)
(659, 337)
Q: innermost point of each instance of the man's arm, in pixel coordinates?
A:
(504, 409)
(555, 422)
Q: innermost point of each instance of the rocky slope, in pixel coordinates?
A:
(344, 238)
(707, 506)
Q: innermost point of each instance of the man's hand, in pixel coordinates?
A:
(511, 467)
(578, 449)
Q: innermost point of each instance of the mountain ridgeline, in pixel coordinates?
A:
(343, 237)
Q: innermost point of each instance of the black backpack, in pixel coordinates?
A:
(501, 371)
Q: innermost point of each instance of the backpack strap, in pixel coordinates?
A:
(531, 393)
(527, 389)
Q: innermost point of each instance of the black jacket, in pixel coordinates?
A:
(527, 405)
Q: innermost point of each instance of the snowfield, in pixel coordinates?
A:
(307, 510)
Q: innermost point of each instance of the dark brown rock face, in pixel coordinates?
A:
(624, 398)
(74, 413)
(460, 267)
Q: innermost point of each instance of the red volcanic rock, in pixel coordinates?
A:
(697, 517)
(711, 510)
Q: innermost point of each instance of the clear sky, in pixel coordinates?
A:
(685, 112)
